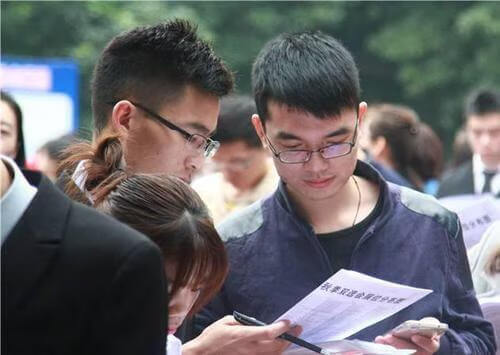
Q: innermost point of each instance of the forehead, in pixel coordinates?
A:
(287, 119)
(484, 122)
(238, 148)
(194, 110)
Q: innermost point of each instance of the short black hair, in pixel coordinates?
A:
(308, 71)
(152, 64)
(20, 158)
(234, 123)
(482, 101)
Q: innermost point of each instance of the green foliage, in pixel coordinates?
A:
(424, 54)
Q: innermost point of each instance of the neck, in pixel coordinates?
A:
(341, 210)
(332, 214)
(491, 165)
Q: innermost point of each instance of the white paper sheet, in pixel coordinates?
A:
(476, 214)
(357, 347)
(348, 302)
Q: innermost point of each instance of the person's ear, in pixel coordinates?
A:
(259, 128)
(123, 112)
(362, 108)
(379, 147)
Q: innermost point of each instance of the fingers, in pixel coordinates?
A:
(268, 332)
(380, 340)
(295, 331)
(394, 341)
(428, 344)
(418, 342)
(229, 320)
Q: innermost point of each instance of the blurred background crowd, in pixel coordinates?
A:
(429, 72)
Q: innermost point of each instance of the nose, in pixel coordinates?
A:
(182, 301)
(316, 163)
(195, 161)
(484, 139)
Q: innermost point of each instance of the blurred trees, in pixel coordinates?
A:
(424, 54)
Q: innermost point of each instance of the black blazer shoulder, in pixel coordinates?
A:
(459, 181)
(77, 281)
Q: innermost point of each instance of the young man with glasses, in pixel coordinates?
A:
(245, 173)
(332, 211)
(158, 88)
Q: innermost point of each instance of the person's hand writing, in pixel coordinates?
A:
(227, 336)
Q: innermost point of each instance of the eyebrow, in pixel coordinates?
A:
(200, 128)
(289, 136)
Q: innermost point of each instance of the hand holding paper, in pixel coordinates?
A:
(348, 302)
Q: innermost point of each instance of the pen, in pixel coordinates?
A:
(246, 320)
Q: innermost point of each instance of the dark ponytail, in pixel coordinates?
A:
(399, 126)
(427, 159)
(102, 168)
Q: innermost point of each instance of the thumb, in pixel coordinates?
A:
(295, 331)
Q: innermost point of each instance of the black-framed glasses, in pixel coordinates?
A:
(297, 156)
(204, 145)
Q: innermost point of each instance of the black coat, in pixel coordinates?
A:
(457, 182)
(75, 281)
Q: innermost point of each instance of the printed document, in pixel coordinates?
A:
(348, 302)
(476, 214)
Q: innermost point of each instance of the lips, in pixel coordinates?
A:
(318, 183)
(172, 330)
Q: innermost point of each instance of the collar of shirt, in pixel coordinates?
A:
(16, 199)
(479, 179)
(79, 177)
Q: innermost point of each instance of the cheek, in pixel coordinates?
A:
(8, 145)
(496, 143)
(290, 172)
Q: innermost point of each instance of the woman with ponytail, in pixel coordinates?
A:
(172, 215)
(389, 139)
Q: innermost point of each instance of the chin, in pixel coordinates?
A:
(316, 194)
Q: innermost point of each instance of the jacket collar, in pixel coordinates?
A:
(34, 242)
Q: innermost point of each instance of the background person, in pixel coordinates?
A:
(245, 172)
(484, 259)
(389, 140)
(427, 159)
(481, 174)
(460, 151)
(49, 156)
(11, 129)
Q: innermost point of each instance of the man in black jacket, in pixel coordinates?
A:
(481, 174)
